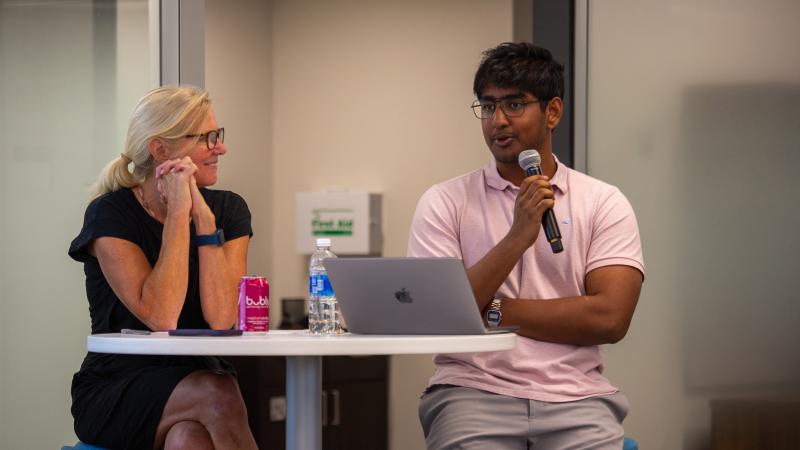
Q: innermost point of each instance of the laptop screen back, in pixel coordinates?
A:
(405, 295)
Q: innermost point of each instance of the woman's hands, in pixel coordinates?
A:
(204, 220)
(172, 183)
(178, 190)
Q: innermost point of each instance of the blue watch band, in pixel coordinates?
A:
(217, 238)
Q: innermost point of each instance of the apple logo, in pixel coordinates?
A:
(403, 296)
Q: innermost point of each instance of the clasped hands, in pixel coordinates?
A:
(177, 189)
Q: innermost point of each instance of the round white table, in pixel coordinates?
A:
(303, 354)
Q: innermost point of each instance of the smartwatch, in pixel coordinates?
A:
(217, 238)
(494, 314)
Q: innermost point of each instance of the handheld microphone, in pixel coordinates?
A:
(531, 163)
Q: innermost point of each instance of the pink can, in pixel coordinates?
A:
(254, 304)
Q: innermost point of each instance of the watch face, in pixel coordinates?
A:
(493, 317)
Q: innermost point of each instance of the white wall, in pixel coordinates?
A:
(693, 112)
(239, 79)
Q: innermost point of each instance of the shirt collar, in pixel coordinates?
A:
(494, 180)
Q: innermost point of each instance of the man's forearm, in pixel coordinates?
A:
(488, 274)
(602, 316)
(583, 320)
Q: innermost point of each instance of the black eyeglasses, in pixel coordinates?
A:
(211, 137)
(511, 107)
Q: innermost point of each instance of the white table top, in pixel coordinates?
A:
(297, 343)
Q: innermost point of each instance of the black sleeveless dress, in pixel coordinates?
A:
(117, 400)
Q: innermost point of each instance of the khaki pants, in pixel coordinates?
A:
(455, 417)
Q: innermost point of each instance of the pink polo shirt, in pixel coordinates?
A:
(467, 216)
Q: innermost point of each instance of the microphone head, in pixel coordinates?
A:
(529, 158)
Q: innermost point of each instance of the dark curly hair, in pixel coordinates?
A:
(521, 65)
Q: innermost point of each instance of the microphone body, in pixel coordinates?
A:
(529, 160)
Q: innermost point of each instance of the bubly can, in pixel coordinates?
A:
(254, 304)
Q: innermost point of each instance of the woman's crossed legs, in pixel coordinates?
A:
(205, 411)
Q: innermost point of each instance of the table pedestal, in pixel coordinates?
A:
(303, 403)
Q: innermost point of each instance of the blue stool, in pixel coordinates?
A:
(629, 444)
(81, 446)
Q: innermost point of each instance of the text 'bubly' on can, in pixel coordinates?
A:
(254, 305)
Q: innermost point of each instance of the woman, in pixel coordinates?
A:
(154, 259)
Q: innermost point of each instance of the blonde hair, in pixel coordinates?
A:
(168, 113)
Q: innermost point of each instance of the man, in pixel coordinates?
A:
(549, 392)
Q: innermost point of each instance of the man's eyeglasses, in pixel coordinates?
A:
(211, 137)
(511, 107)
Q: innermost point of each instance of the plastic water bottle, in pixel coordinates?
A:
(323, 310)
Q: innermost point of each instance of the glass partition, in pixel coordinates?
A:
(70, 73)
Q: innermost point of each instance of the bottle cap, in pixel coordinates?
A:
(323, 242)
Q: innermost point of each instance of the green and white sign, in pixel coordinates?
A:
(332, 222)
(351, 220)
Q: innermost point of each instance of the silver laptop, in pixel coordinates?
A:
(406, 296)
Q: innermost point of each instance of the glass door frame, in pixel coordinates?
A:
(178, 40)
(580, 87)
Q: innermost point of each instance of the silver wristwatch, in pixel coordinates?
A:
(494, 315)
